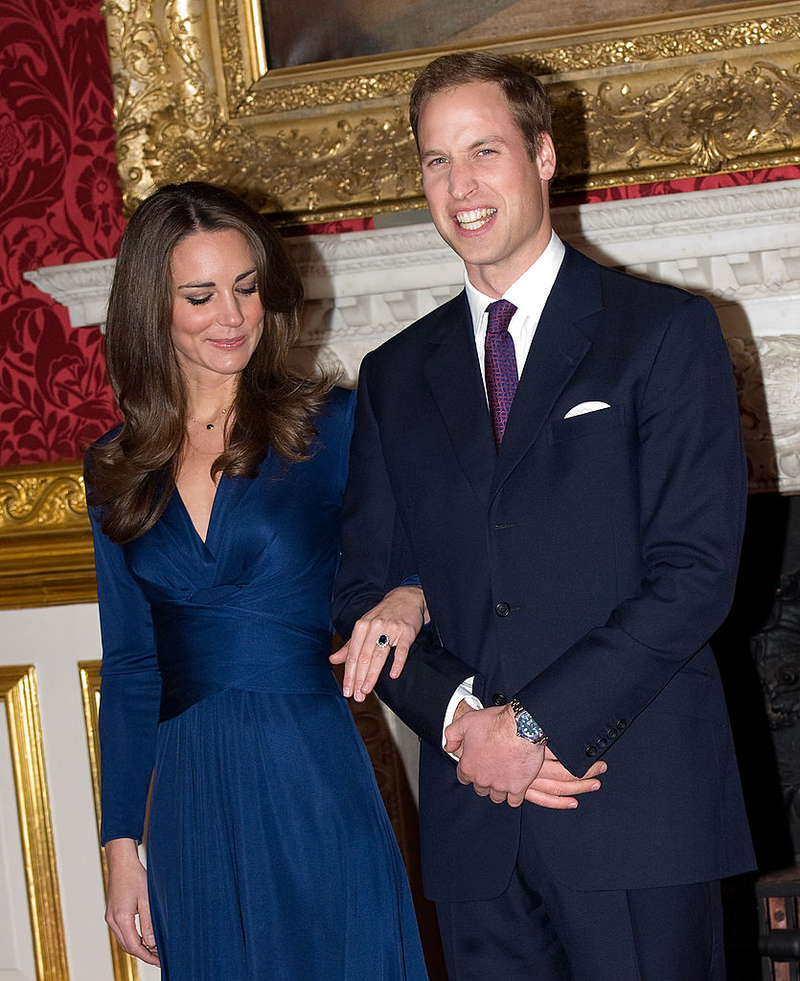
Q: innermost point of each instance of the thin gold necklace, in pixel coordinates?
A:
(210, 425)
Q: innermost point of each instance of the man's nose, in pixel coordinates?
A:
(462, 180)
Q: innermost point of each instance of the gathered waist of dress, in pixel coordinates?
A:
(203, 650)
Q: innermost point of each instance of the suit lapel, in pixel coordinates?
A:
(453, 374)
(560, 343)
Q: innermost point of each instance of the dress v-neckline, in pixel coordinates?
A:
(190, 520)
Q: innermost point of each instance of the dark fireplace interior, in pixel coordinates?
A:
(758, 650)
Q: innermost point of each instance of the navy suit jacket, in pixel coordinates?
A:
(582, 569)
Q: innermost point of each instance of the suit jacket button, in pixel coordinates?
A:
(498, 698)
(591, 751)
(502, 609)
(602, 743)
(621, 724)
(612, 733)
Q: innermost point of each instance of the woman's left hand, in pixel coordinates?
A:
(395, 621)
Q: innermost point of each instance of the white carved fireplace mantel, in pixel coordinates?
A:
(738, 246)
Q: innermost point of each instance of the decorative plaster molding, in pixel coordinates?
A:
(739, 246)
(82, 287)
(747, 240)
(767, 373)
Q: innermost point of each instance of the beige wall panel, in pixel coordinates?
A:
(52, 641)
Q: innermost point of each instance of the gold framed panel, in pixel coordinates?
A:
(124, 965)
(643, 101)
(46, 553)
(20, 694)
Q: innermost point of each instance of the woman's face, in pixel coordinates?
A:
(217, 315)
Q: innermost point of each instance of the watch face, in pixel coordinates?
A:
(527, 727)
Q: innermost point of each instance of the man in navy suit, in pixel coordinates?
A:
(572, 506)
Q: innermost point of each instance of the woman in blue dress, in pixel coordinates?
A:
(214, 509)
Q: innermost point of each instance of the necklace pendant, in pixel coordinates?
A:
(210, 425)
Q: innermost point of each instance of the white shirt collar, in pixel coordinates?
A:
(529, 293)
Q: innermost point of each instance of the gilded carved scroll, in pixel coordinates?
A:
(679, 97)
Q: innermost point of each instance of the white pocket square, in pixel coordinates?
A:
(583, 407)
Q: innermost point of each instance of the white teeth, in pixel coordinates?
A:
(475, 219)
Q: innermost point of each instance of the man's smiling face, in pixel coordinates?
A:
(488, 199)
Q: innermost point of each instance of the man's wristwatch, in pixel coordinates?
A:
(527, 727)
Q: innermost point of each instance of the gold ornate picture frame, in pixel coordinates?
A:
(19, 691)
(637, 102)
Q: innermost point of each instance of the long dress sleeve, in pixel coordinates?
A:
(130, 692)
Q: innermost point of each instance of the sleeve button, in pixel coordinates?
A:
(502, 609)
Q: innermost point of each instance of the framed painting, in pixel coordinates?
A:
(304, 34)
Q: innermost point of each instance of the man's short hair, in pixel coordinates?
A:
(527, 98)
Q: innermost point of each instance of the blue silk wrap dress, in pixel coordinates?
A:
(269, 852)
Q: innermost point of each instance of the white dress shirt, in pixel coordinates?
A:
(528, 294)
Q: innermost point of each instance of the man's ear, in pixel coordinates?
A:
(546, 157)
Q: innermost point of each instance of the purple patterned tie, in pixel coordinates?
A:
(501, 365)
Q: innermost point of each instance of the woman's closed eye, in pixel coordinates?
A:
(199, 301)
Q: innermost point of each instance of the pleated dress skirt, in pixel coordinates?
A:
(270, 855)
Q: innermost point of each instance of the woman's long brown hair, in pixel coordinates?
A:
(132, 475)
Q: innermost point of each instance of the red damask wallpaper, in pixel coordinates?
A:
(59, 203)
(682, 185)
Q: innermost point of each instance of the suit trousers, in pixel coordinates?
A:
(542, 930)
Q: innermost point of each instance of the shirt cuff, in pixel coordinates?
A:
(463, 692)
